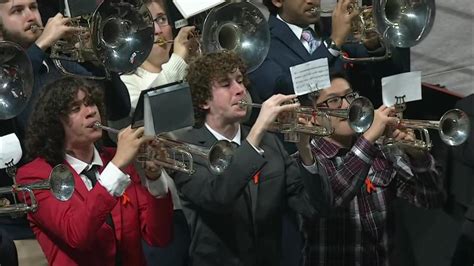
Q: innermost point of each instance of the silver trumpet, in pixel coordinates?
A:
(178, 155)
(453, 128)
(287, 122)
(60, 183)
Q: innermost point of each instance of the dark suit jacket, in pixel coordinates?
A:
(74, 232)
(286, 50)
(232, 219)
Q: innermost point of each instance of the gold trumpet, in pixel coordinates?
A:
(178, 155)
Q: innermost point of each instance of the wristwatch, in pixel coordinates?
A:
(330, 44)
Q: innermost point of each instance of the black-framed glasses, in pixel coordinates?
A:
(161, 20)
(336, 101)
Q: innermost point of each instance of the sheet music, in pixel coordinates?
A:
(189, 8)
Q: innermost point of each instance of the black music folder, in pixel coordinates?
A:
(164, 108)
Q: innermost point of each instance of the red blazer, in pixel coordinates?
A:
(74, 232)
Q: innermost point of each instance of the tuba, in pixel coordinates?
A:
(16, 80)
(239, 27)
(118, 36)
(60, 183)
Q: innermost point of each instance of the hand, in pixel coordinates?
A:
(341, 21)
(371, 41)
(56, 28)
(129, 142)
(154, 152)
(271, 108)
(185, 43)
(304, 145)
(381, 120)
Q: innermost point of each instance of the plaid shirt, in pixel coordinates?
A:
(358, 231)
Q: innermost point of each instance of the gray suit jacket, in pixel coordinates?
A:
(232, 219)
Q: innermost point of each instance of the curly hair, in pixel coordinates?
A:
(206, 69)
(45, 135)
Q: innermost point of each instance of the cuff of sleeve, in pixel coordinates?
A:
(334, 52)
(257, 149)
(158, 188)
(364, 150)
(116, 181)
(313, 169)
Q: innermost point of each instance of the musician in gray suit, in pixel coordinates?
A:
(235, 217)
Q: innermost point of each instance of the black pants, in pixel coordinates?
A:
(176, 253)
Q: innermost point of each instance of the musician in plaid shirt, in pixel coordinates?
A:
(359, 230)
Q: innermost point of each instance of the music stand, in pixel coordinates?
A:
(164, 108)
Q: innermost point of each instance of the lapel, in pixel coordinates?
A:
(252, 191)
(117, 210)
(281, 31)
(80, 189)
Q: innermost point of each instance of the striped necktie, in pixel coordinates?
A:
(308, 36)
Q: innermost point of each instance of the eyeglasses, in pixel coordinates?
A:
(161, 20)
(336, 101)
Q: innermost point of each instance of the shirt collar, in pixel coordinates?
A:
(218, 136)
(80, 166)
(326, 148)
(297, 30)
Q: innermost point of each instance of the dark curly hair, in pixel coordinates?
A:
(271, 7)
(206, 69)
(45, 136)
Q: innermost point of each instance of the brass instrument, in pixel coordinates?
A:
(119, 36)
(178, 155)
(453, 128)
(239, 27)
(360, 114)
(287, 122)
(60, 183)
(16, 80)
(401, 23)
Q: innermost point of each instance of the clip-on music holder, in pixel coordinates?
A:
(164, 108)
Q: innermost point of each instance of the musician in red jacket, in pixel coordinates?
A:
(110, 211)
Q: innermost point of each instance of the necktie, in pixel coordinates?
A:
(91, 175)
(308, 36)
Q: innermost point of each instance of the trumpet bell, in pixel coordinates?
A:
(122, 34)
(220, 156)
(16, 80)
(61, 182)
(239, 27)
(454, 127)
(361, 114)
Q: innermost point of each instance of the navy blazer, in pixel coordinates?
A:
(235, 221)
(286, 50)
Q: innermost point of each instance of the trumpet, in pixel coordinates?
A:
(453, 128)
(288, 123)
(178, 155)
(60, 183)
